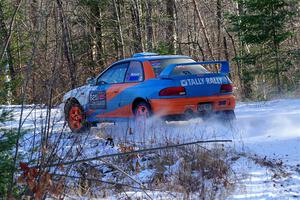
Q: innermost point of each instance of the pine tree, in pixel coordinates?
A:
(8, 139)
(262, 27)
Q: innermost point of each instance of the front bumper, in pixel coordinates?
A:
(178, 106)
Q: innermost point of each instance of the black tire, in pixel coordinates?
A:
(146, 105)
(140, 120)
(82, 125)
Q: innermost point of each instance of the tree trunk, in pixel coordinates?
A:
(7, 51)
(119, 27)
(171, 32)
(34, 21)
(10, 30)
(149, 28)
(246, 87)
(137, 33)
(67, 45)
(219, 18)
(226, 53)
(98, 41)
(204, 30)
(276, 50)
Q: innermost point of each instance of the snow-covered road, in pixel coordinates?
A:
(271, 135)
(266, 137)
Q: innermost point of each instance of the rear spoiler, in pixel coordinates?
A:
(223, 70)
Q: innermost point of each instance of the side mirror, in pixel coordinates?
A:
(101, 82)
(91, 81)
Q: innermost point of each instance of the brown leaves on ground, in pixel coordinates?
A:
(39, 182)
(132, 157)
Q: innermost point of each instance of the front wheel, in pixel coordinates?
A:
(75, 117)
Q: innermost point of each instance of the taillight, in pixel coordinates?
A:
(172, 91)
(226, 88)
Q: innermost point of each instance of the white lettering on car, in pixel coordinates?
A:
(201, 81)
(183, 83)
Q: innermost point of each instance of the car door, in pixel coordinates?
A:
(120, 95)
(104, 98)
(130, 90)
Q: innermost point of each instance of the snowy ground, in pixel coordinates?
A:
(270, 131)
(266, 138)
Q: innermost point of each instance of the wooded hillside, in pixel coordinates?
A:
(49, 47)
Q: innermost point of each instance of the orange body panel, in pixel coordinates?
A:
(176, 106)
(162, 107)
(123, 112)
(148, 70)
(116, 89)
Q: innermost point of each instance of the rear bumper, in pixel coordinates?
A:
(178, 106)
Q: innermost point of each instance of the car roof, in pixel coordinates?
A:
(152, 57)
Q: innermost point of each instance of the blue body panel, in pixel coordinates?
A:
(202, 85)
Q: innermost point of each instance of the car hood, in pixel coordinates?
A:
(77, 92)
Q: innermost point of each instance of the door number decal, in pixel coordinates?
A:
(97, 99)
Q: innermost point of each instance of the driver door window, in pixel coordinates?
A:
(115, 74)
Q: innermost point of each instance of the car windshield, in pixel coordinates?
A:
(181, 70)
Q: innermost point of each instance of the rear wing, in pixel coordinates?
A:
(224, 69)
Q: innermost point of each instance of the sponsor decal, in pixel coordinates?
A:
(202, 81)
(101, 95)
(134, 76)
(97, 99)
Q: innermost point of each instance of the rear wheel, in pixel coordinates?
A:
(75, 117)
(142, 112)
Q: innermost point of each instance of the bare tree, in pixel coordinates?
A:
(67, 45)
(120, 31)
(137, 30)
(149, 24)
(204, 30)
(170, 31)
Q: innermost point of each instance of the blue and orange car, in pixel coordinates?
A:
(168, 86)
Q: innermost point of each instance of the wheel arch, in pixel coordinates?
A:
(139, 100)
(71, 100)
(69, 104)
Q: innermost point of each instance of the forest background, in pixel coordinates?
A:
(50, 47)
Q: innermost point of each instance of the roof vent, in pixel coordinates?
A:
(144, 54)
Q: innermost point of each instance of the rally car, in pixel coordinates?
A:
(167, 86)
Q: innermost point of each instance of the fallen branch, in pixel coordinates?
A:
(134, 152)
